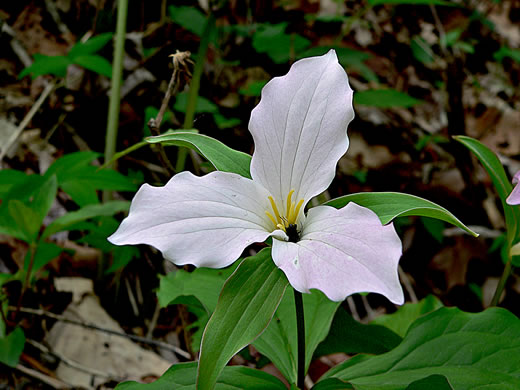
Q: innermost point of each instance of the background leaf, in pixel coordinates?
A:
(91, 46)
(94, 63)
(384, 98)
(221, 156)
(279, 341)
(470, 350)
(390, 205)
(183, 377)
(246, 305)
(11, 347)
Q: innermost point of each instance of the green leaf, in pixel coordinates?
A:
(44, 197)
(400, 321)
(189, 18)
(10, 178)
(203, 104)
(122, 256)
(332, 384)
(384, 98)
(87, 212)
(244, 309)
(94, 63)
(432, 382)
(221, 156)
(182, 376)
(65, 167)
(272, 40)
(279, 341)
(421, 50)
(93, 45)
(390, 205)
(413, 2)
(204, 284)
(253, 89)
(11, 347)
(349, 336)
(503, 52)
(26, 221)
(56, 65)
(45, 252)
(471, 350)
(500, 181)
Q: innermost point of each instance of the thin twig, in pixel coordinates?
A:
(25, 121)
(160, 344)
(72, 363)
(53, 382)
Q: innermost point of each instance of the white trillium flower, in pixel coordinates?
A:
(514, 197)
(299, 130)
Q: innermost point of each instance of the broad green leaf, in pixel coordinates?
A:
(221, 156)
(10, 178)
(272, 40)
(11, 347)
(432, 382)
(472, 351)
(87, 212)
(44, 197)
(390, 205)
(400, 321)
(65, 167)
(182, 376)
(500, 181)
(253, 89)
(189, 18)
(204, 284)
(24, 188)
(45, 252)
(279, 341)
(503, 52)
(421, 50)
(332, 384)
(93, 45)
(94, 63)
(349, 336)
(385, 98)
(244, 309)
(122, 256)
(413, 2)
(56, 65)
(203, 104)
(26, 221)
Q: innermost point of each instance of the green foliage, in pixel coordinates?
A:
(272, 40)
(412, 2)
(82, 54)
(432, 382)
(421, 50)
(190, 18)
(504, 52)
(470, 350)
(400, 321)
(390, 205)
(253, 89)
(500, 181)
(183, 376)
(349, 336)
(279, 341)
(245, 306)
(204, 105)
(384, 98)
(221, 156)
(11, 347)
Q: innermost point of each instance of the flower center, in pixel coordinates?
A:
(287, 221)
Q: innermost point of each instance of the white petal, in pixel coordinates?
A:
(342, 252)
(206, 221)
(514, 196)
(299, 128)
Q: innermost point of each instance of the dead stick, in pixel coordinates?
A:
(160, 344)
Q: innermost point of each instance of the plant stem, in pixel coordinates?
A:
(508, 269)
(194, 87)
(300, 329)
(115, 88)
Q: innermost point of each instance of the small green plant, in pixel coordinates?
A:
(82, 54)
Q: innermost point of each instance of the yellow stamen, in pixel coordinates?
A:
(281, 227)
(290, 215)
(289, 197)
(298, 207)
(271, 217)
(275, 209)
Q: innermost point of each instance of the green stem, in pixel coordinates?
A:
(194, 87)
(508, 270)
(300, 328)
(115, 89)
